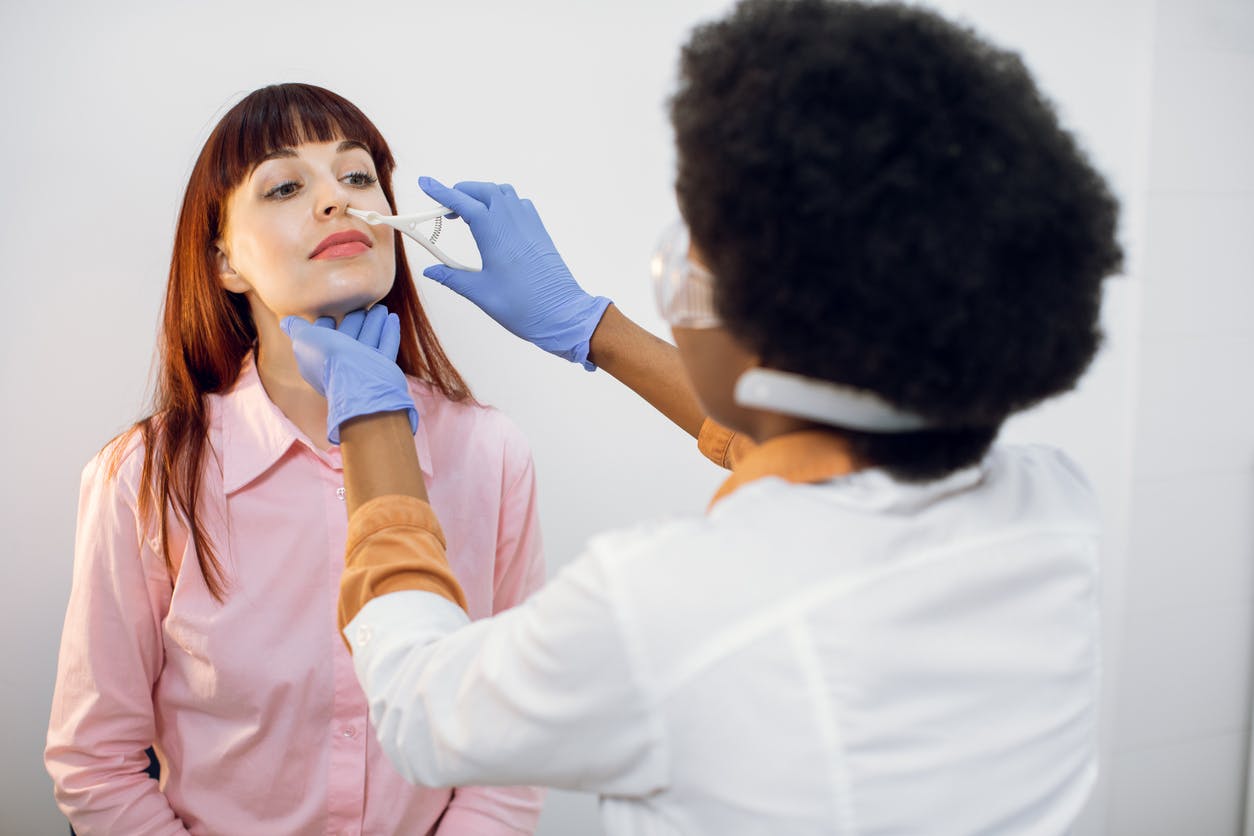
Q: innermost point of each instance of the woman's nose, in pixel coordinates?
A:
(333, 199)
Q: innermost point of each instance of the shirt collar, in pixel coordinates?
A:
(803, 457)
(256, 434)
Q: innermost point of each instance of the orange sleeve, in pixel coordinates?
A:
(722, 446)
(395, 543)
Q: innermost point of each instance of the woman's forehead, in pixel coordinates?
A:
(292, 129)
(312, 147)
(312, 150)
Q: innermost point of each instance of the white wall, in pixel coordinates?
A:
(1183, 717)
(105, 106)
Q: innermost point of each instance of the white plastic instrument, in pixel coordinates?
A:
(408, 225)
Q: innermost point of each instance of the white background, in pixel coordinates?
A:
(105, 106)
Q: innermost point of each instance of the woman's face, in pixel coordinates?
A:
(288, 244)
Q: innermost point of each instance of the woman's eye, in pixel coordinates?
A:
(282, 190)
(362, 179)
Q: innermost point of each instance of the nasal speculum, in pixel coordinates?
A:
(409, 225)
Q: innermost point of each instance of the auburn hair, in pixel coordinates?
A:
(206, 331)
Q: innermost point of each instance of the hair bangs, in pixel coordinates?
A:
(285, 116)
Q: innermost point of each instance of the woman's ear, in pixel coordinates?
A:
(230, 279)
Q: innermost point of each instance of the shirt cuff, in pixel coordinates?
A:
(395, 543)
(406, 619)
(723, 446)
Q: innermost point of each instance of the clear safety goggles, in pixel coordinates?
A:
(684, 289)
(685, 299)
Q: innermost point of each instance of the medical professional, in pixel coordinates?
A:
(885, 622)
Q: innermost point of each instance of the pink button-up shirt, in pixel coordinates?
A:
(252, 704)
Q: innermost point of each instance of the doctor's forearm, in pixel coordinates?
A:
(395, 542)
(647, 365)
(379, 459)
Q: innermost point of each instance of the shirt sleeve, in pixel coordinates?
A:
(546, 693)
(517, 574)
(394, 543)
(725, 447)
(111, 655)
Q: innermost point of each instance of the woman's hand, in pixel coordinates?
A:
(353, 365)
(524, 285)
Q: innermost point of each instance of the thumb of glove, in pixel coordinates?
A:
(291, 325)
(308, 344)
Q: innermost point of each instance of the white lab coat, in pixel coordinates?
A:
(856, 657)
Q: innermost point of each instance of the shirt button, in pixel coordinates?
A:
(339, 494)
(363, 636)
(349, 732)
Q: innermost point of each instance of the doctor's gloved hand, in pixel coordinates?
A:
(524, 285)
(353, 365)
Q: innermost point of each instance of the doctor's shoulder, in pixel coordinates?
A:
(1049, 473)
(660, 564)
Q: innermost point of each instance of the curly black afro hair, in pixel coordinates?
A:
(889, 202)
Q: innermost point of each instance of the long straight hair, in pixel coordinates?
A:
(206, 331)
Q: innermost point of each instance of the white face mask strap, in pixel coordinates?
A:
(819, 400)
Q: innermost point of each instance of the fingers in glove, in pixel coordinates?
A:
(485, 193)
(350, 324)
(372, 326)
(462, 203)
(390, 337)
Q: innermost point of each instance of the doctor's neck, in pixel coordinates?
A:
(762, 426)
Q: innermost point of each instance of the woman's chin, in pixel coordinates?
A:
(338, 307)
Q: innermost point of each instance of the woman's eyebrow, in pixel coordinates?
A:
(277, 153)
(282, 153)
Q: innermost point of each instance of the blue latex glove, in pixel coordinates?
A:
(353, 365)
(525, 286)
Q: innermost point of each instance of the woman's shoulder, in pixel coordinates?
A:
(481, 427)
(118, 465)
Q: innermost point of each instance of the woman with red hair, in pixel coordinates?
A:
(211, 535)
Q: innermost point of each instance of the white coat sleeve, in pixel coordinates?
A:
(547, 693)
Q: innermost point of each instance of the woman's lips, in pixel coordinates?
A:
(342, 245)
(342, 250)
